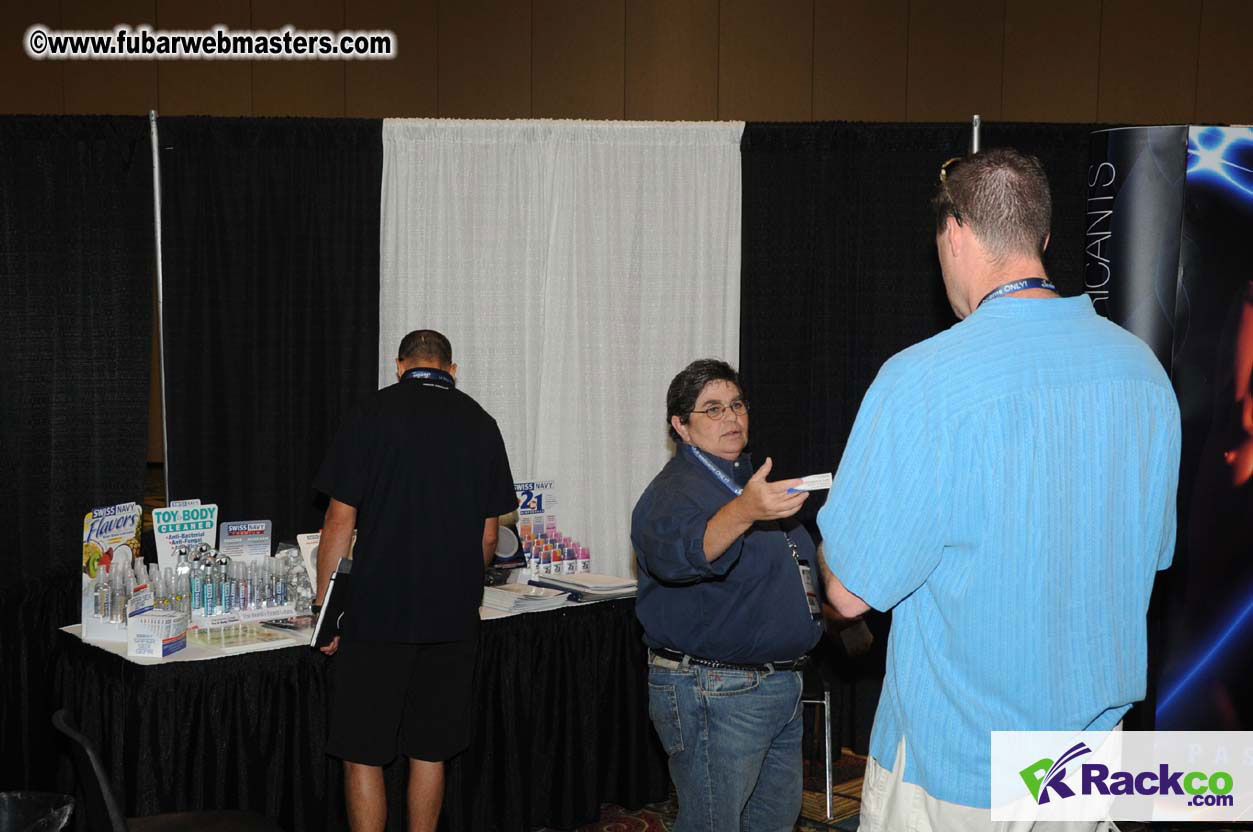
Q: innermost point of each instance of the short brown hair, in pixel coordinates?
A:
(685, 388)
(1003, 195)
(426, 344)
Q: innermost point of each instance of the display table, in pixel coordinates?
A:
(561, 726)
(197, 650)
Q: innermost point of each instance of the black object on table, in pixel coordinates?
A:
(561, 726)
(335, 603)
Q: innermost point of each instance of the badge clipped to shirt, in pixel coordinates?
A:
(811, 590)
(807, 578)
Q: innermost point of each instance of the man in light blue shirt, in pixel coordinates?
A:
(1008, 491)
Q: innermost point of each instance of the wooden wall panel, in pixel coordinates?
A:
(1224, 91)
(29, 86)
(485, 58)
(1132, 61)
(109, 87)
(193, 88)
(404, 86)
(766, 60)
(298, 87)
(1149, 61)
(860, 59)
(577, 59)
(672, 60)
(955, 59)
(1052, 59)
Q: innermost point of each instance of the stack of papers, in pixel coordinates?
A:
(522, 598)
(589, 586)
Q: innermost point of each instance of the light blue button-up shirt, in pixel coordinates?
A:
(1008, 491)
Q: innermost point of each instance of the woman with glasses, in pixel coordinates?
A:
(729, 612)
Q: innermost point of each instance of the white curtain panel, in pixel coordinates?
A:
(576, 267)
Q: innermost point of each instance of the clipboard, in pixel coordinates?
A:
(334, 605)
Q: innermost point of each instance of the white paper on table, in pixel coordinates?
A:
(156, 634)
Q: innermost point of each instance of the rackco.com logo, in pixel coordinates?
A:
(1046, 779)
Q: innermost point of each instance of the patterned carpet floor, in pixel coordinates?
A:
(846, 804)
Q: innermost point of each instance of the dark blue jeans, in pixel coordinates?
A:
(734, 741)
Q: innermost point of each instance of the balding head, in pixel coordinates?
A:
(425, 348)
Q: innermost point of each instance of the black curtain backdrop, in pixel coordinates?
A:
(271, 262)
(839, 272)
(76, 260)
(839, 269)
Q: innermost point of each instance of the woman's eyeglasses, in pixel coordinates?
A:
(719, 411)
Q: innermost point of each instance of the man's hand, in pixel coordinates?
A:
(763, 500)
(334, 544)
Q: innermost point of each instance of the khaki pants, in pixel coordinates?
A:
(889, 804)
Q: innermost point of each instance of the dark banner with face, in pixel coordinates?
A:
(1135, 203)
(1207, 672)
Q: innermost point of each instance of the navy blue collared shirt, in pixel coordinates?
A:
(748, 606)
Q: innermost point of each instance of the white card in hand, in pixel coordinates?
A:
(814, 482)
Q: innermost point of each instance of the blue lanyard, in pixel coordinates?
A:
(737, 491)
(716, 471)
(438, 378)
(1018, 286)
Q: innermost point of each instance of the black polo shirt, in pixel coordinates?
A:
(424, 465)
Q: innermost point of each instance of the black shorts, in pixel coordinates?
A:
(411, 699)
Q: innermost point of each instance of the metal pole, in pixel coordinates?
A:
(975, 123)
(156, 206)
(826, 724)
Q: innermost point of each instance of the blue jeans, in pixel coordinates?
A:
(734, 741)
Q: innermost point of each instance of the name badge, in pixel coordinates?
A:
(811, 592)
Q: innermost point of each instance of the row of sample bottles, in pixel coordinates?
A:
(548, 551)
(203, 581)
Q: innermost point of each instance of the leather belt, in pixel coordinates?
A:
(684, 659)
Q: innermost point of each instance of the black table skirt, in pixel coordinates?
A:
(561, 726)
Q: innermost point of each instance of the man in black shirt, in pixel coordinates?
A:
(420, 470)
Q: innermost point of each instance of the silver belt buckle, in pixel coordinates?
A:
(662, 661)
